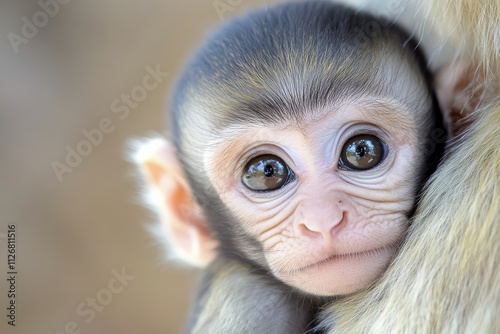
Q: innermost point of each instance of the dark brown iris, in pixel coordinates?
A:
(265, 172)
(362, 152)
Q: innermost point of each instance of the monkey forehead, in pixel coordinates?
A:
(276, 63)
(368, 109)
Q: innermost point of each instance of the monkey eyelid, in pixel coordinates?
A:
(263, 149)
(362, 129)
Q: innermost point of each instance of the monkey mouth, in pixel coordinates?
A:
(344, 257)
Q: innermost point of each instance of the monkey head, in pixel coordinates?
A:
(299, 144)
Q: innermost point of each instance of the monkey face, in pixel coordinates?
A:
(328, 200)
(298, 150)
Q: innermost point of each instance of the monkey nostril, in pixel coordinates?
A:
(310, 231)
(304, 230)
(326, 226)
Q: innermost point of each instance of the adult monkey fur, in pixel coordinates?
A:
(446, 278)
(352, 327)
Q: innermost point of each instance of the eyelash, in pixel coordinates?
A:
(253, 154)
(357, 132)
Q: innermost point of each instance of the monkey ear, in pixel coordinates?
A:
(459, 89)
(182, 222)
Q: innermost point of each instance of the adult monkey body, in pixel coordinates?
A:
(209, 314)
(446, 279)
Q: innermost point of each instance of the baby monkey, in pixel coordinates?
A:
(299, 145)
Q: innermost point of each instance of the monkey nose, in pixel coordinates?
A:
(322, 222)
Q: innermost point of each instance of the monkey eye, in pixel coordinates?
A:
(362, 152)
(266, 172)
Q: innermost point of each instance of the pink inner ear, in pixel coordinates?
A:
(460, 90)
(154, 172)
(193, 245)
(470, 92)
(183, 223)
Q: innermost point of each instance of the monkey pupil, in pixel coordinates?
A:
(361, 150)
(268, 170)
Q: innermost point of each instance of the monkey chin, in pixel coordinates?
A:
(339, 274)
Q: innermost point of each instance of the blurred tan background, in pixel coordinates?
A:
(72, 234)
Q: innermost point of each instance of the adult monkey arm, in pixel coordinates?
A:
(446, 277)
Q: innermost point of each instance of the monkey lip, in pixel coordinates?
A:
(344, 257)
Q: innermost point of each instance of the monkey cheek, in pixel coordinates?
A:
(339, 276)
